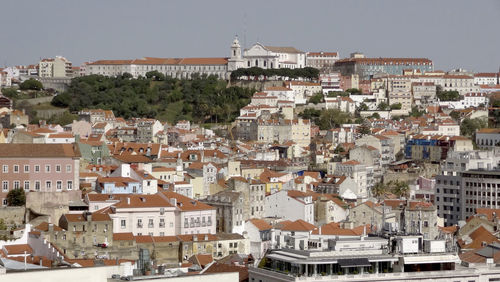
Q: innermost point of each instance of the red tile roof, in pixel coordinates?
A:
(299, 225)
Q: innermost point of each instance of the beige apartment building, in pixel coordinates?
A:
(57, 67)
(281, 131)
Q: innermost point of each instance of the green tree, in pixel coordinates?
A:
(316, 98)
(155, 75)
(31, 84)
(16, 197)
(379, 190)
(3, 226)
(63, 119)
(376, 115)
(449, 96)
(383, 106)
(455, 115)
(400, 188)
(396, 106)
(62, 100)
(354, 91)
(363, 107)
(415, 112)
(469, 126)
(10, 92)
(339, 149)
(333, 118)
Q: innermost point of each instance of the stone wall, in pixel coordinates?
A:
(53, 204)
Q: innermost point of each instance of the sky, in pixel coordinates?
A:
(452, 33)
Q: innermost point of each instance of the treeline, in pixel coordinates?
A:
(307, 73)
(199, 99)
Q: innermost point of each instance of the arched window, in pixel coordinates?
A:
(234, 53)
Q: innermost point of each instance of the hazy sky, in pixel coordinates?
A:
(453, 33)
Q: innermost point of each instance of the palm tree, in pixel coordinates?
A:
(401, 189)
(379, 189)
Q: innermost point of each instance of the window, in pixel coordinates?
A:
(16, 169)
(37, 185)
(123, 223)
(48, 185)
(16, 184)
(68, 168)
(69, 185)
(162, 222)
(139, 223)
(47, 168)
(26, 168)
(37, 168)
(59, 185)
(5, 185)
(5, 169)
(26, 185)
(150, 224)
(58, 168)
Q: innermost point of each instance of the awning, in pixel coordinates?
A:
(355, 262)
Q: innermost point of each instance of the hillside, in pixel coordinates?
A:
(201, 99)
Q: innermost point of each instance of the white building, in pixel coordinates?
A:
(270, 57)
(143, 215)
(330, 82)
(489, 78)
(192, 217)
(344, 104)
(321, 60)
(360, 173)
(290, 205)
(475, 100)
(302, 90)
(177, 68)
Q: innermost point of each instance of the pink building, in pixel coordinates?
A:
(38, 168)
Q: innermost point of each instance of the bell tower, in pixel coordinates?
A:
(235, 61)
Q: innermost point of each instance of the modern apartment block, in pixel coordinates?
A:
(456, 197)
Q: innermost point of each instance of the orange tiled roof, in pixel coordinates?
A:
(299, 225)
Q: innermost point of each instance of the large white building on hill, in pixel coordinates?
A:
(267, 57)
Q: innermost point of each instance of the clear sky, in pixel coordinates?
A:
(453, 33)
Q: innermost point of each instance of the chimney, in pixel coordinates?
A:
(195, 238)
(206, 237)
(128, 201)
(51, 227)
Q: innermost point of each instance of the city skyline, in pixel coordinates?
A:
(442, 31)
